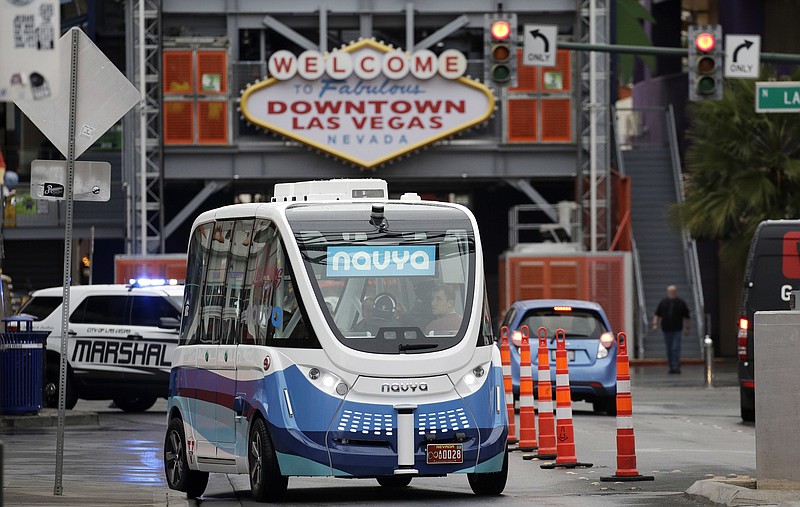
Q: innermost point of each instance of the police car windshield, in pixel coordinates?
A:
(39, 307)
(383, 290)
(176, 300)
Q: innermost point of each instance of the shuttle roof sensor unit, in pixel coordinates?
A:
(365, 189)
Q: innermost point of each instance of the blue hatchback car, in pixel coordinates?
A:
(591, 346)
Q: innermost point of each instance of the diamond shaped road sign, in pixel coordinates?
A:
(104, 95)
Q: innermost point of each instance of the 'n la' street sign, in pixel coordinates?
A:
(778, 97)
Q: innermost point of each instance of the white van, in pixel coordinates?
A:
(121, 339)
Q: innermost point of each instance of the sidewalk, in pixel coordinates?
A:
(47, 418)
(738, 491)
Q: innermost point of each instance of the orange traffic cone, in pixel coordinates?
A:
(626, 445)
(564, 430)
(527, 417)
(505, 356)
(544, 390)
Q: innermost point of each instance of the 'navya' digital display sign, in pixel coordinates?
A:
(349, 261)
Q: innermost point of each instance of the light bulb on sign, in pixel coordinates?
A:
(705, 42)
(501, 30)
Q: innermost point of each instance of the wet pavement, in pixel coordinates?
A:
(118, 459)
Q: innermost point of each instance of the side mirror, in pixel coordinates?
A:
(169, 323)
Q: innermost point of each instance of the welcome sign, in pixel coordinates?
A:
(365, 260)
(367, 103)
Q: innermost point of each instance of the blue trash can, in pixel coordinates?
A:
(21, 366)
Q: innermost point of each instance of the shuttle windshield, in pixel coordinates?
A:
(396, 283)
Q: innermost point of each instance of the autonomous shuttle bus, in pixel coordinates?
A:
(336, 332)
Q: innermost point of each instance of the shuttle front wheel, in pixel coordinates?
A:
(394, 481)
(492, 483)
(266, 482)
(176, 468)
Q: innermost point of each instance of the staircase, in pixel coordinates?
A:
(661, 250)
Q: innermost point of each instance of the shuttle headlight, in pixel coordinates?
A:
(473, 379)
(325, 380)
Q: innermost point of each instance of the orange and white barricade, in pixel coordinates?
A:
(626, 445)
(527, 416)
(508, 384)
(544, 391)
(565, 436)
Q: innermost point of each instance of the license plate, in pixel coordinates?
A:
(445, 453)
(570, 355)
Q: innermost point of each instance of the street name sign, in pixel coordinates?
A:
(742, 56)
(539, 49)
(778, 97)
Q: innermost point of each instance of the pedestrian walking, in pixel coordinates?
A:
(673, 315)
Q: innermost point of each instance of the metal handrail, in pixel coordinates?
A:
(641, 324)
(689, 244)
(638, 280)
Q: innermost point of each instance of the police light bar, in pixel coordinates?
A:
(151, 282)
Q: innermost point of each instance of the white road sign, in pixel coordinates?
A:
(742, 55)
(92, 180)
(29, 61)
(104, 95)
(540, 45)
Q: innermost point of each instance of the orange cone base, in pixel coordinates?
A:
(528, 457)
(627, 478)
(542, 456)
(573, 464)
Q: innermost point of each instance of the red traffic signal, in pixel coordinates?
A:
(501, 30)
(705, 42)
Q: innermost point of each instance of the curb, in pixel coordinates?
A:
(741, 492)
(48, 418)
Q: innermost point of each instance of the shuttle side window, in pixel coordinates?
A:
(234, 280)
(214, 288)
(191, 323)
(486, 337)
(260, 278)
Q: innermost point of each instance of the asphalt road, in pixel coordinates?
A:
(684, 432)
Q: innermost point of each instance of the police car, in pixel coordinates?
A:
(120, 344)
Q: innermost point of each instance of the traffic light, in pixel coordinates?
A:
(705, 62)
(500, 54)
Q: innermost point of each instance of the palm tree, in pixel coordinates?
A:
(744, 168)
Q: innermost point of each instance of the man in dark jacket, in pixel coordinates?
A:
(673, 314)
